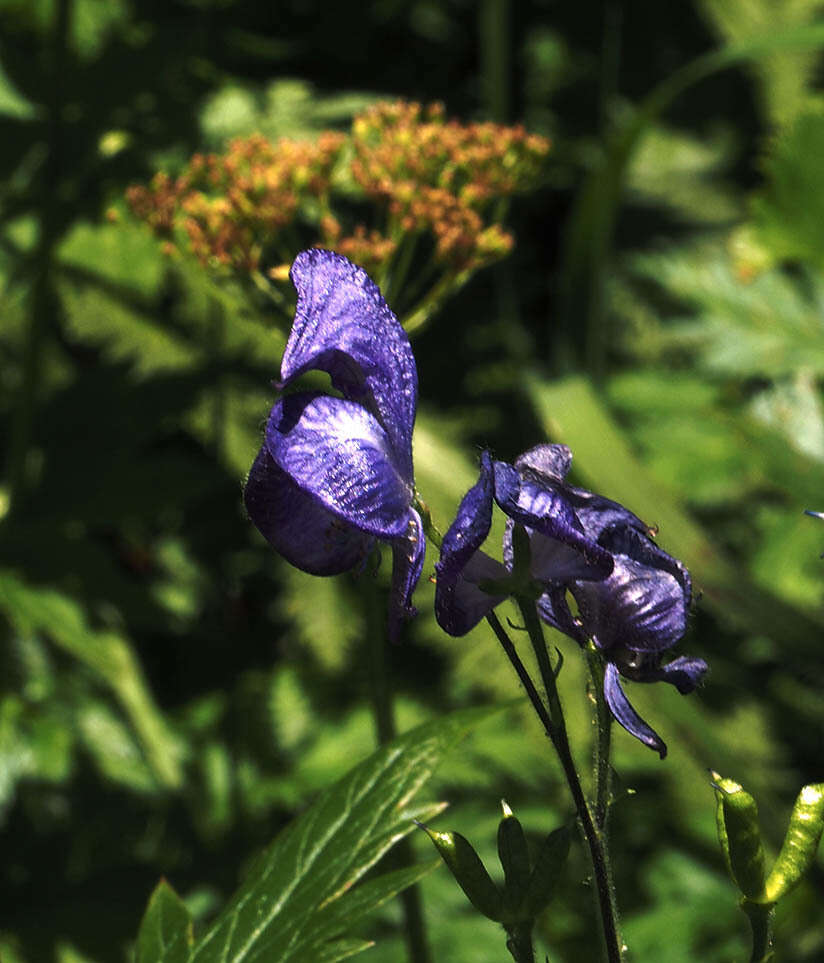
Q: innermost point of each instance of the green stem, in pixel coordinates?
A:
(593, 835)
(44, 306)
(494, 50)
(383, 710)
(429, 304)
(398, 272)
(519, 943)
(523, 675)
(603, 722)
(761, 917)
(216, 337)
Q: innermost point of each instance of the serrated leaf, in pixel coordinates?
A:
(767, 325)
(317, 859)
(785, 77)
(166, 929)
(680, 172)
(342, 914)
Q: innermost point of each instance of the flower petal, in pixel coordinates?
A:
(342, 325)
(684, 673)
(306, 534)
(551, 461)
(619, 539)
(626, 716)
(637, 607)
(597, 513)
(336, 451)
(472, 522)
(408, 554)
(459, 603)
(561, 551)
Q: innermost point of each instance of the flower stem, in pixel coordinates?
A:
(383, 709)
(593, 834)
(603, 722)
(761, 916)
(519, 943)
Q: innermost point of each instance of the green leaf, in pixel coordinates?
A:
(12, 102)
(571, 412)
(352, 907)
(166, 929)
(788, 212)
(785, 77)
(340, 950)
(320, 856)
(108, 654)
(766, 326)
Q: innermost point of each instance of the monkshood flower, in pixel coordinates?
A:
(632, 597)
(334, 474)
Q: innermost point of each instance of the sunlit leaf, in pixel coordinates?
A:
(789, 210)
(317, 859)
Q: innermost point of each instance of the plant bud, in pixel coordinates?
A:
(736, 816)
(469, 872)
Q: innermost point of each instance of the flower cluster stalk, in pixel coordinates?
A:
(603, 724)
(552, 718)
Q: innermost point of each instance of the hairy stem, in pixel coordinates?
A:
(603, 724)
(593, 835)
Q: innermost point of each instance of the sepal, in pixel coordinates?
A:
(800, 843)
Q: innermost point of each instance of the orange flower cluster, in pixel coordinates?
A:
(429, 177)
(403, 142)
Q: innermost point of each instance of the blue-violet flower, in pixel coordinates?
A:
(633, 607)
(335, 473)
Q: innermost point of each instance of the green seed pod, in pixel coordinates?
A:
(469, 872)
(800, 843)
(547, 871)
(514, 855)
(736, 815)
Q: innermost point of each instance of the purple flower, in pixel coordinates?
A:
(560, 549)
(633, 607)
(334, 474)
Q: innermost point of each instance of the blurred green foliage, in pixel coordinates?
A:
(173, 693)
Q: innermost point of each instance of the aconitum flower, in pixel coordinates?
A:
(334, 474)
(561, 550)
(633, 607)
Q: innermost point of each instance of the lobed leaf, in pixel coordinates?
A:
(316, 861)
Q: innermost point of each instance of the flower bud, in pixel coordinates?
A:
(740, 836)
(469, 872)
(800, 843)
(514, 855)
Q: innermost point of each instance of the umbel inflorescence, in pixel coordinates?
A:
(422, 176)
